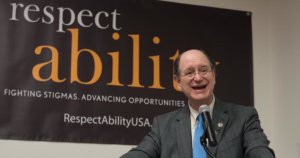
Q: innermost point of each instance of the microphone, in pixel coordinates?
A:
(210, 134)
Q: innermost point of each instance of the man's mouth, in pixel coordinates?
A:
(199, 87)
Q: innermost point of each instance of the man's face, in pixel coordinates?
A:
(196, 78)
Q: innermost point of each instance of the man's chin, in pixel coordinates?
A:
(200, 96)
(200, 99)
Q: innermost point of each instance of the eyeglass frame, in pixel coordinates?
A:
(191, 73)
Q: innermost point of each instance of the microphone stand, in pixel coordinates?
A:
(204, 144)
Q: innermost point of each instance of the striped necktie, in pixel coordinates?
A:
(198, 151)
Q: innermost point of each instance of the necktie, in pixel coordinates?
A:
(198, 151)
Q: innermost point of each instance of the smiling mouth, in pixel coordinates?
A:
(199, 87)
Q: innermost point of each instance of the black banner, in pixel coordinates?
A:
(99, 71)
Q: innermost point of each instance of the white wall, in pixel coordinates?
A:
(284, 49)
(276, 38)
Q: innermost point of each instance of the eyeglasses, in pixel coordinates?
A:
(203, 70)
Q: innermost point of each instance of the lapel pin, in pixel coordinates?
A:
(220, 124)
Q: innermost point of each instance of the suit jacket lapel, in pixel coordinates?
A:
(183, 133)
(219, 122)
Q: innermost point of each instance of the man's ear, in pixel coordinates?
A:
(176, 78)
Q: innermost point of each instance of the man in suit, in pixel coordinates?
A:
(237, 128)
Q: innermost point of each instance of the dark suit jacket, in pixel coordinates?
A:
(241, 135)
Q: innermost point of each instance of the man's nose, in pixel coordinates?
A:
(198, 76)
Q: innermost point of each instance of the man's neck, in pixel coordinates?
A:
(196, 105)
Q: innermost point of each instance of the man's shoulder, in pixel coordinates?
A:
(172, 116)
(237, 108)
